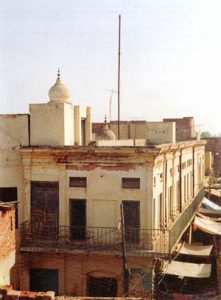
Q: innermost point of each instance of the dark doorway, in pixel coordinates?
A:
(101, 287)
(45, 208)
(77, 219)
(131, 211)
(44, 280)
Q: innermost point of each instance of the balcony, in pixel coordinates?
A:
(92, 239)
(139, 242)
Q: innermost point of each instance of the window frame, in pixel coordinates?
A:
(130, 182)
(78, 181)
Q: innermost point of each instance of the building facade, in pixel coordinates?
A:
(72, 211)
(169, 130)
(88, 211)
(185, 128)
(152, 132)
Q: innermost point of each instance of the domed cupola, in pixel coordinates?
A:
(59, 92)
(106, 133)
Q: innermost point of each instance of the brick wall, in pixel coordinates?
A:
(7, 231)
(74, 269)
(7, 293)
(185, 128)
(214, 145)
(7, 242)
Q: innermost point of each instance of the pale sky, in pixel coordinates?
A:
(170, 62)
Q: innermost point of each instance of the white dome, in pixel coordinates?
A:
(59, 92)
(106, 133)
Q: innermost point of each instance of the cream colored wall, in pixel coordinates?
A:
(166, 177)
(47, 124)
(53, 124)
(176, 184)
(155, 132)
(208, 162)
(187, 173)
(160, 132)
(130, 130)
(103, 193)
(81, 112)
(88, 126)
(59, 124)
(157, 190)
(13, 135)
(68, 125)
(199, 160)
(77, 125)
(124, 130)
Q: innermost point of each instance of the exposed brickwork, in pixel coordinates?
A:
(185, 128)
(7, 229)
(214, 145)
(8, 293)
(74, 270)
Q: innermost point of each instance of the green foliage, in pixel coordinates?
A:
(205, 134)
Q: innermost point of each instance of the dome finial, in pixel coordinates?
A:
(58, 73)
(106, 133)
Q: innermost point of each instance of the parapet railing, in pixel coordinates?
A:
(184, 219)
(141, 242)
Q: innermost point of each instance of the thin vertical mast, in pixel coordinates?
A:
(118, 89)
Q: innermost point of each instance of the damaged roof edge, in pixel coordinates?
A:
(148, 148)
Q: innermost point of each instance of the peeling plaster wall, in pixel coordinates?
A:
(14, 133)
(154, 132)
(104, 187)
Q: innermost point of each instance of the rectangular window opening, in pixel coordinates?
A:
(10, 194)
(78, 182)
(131, 183)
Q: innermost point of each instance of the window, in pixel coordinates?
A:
(131, 183)
(183, 165)
(44, 280)
(78, 181)
(161, 214)
(9, 194)
(189, 162)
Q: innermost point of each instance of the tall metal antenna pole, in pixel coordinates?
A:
(118, 89)
(110, 101)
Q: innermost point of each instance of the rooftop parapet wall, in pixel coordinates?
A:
(153, 132)
(14, 130)
(160, 132)
(185, 128)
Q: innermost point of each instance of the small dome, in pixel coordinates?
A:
(59, 92)
(106, 133)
